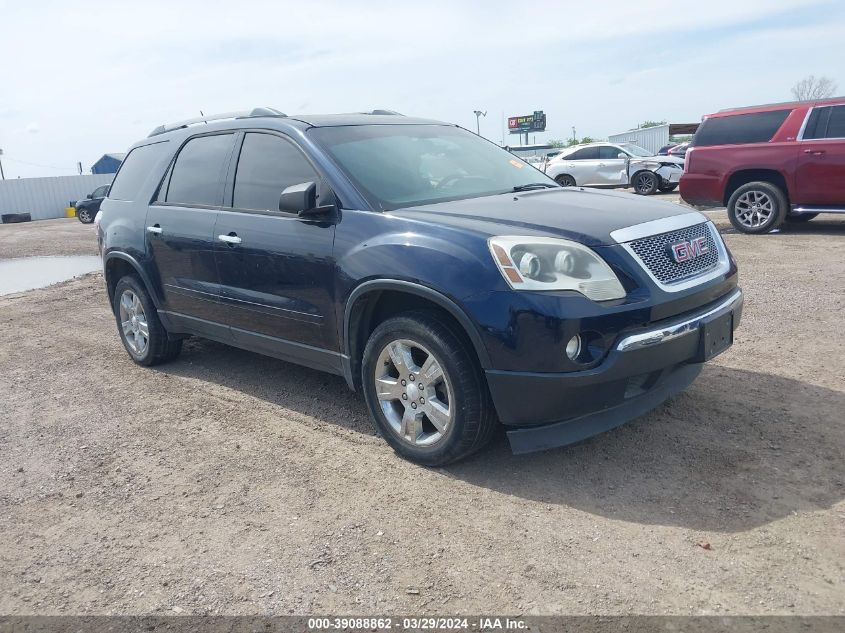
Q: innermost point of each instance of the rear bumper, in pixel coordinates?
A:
(644, 368)
(702, 189)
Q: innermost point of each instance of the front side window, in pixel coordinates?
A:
(100, 192)
(735, 129)
(197, 175)
(404, 165)
(636, 150)
(606, 152)
(266, 166)
(135, 169)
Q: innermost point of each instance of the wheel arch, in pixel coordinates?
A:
(744, 176)
(118, 264)
(373, 301)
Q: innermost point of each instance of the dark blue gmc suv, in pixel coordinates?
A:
(455, 285)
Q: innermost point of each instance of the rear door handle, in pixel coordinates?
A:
(815, 152)
(232, 238)
(155, 229)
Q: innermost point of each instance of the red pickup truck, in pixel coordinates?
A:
(769, 164)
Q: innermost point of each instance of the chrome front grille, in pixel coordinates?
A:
(655, 253)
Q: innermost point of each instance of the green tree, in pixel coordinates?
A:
(646, 124)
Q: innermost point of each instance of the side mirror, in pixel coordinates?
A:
(302, 200)
(90, 196)
(622, 155)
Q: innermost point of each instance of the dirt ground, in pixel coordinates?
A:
(227, 482)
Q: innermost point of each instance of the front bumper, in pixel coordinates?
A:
(644, 368)
(670, 175)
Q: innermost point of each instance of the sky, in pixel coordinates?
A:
(81, 79)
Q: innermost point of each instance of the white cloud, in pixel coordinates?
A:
(601, 67)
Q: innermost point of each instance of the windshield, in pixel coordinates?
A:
(406, 165)
(636, 150)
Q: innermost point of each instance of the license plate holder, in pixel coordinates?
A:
(716, 336)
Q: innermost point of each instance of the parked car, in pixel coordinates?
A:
(450, 282)
(664, 151)
(769, 164)
(679, 150)
(615, 165)
(86, 210)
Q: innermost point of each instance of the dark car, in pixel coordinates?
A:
(86, 210)
(783, 162)
(453, 284)
(664, 151)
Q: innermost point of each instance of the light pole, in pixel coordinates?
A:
(478, 114)
(2, 175)
(574, 137)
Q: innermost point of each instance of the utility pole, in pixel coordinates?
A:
(574, 137)
(478, 114)
(2, 175)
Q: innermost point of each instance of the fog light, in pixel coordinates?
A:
(573, 347)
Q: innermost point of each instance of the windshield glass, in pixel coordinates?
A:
(636, 150)
(405, 165)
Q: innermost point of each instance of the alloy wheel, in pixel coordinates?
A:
(414, 393)
(644, 183)
(84, 215)
(133, 322)
(754, 209)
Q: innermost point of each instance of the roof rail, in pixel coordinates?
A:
(382, 112)
(245, 114)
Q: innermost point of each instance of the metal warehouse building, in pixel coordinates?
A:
(651, 138)
(45, 198)
(108, 164)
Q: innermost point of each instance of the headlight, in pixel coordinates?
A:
(543, 263)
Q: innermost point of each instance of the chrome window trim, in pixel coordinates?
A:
(722, 266)
(800, 136)
(673, 330)
(656, 227)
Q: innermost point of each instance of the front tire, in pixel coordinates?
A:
(425, 390)
(85, 216)
(757, 207)
(141, 332)
(645, 182)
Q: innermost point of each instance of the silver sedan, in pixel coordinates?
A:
(615, 165)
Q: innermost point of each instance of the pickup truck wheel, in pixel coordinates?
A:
(800, 217)
(565, 180)
(757, 207)
(644, 182)
(84, 216)
(425, 390)
(140, 329)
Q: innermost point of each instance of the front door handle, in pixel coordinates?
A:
(231, 238)
(155, 229)
(815, 152)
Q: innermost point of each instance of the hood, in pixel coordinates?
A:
(585, 215)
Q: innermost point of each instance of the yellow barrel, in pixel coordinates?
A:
(70, 212)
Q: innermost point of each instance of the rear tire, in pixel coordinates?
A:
(443, 412)
(141, 332)
(645, 182)
(757, 207)
(565, 180)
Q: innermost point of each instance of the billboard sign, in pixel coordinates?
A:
(529, 123)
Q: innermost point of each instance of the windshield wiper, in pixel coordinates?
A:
(534, 185)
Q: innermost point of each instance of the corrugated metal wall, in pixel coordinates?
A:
(651, 138)
(45, 198)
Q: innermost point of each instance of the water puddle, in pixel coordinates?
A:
(28, 273)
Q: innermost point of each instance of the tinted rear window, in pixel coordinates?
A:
(757, 127)
(197, 176)
(134, 171)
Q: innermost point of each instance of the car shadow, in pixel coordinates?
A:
(829, 225)
(739, 449)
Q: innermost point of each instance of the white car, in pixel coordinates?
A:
(615, 165)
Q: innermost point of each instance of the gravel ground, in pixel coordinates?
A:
(231, 483)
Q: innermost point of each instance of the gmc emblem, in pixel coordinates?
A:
(685, 251)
